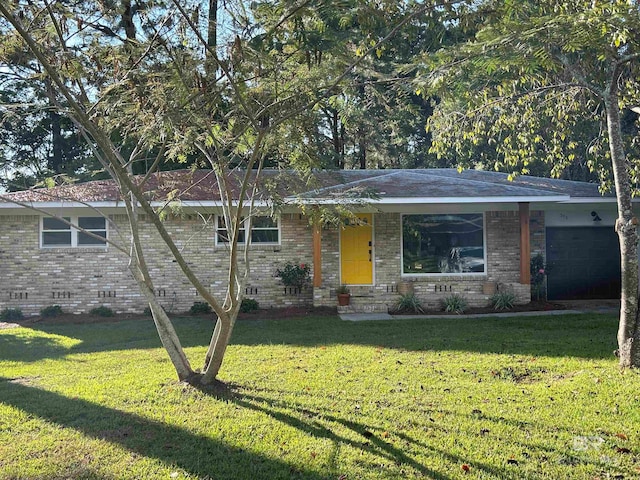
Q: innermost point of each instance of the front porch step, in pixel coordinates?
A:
(356, 307)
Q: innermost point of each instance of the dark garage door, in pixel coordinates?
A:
(584, 262)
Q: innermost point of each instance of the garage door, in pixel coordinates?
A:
(584, 262)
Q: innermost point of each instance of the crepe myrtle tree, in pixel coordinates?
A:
(216, 82)
(548, 81)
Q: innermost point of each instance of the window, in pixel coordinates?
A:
(221, 231)
(264, 230)
(443, 244)
(56, 233)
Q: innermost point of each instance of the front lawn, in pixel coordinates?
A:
(317, 398)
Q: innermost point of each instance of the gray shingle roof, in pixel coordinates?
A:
(329, 185)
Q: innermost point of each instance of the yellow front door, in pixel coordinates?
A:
(356, 251)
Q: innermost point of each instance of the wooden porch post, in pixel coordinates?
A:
(317, 254)
(525, 244)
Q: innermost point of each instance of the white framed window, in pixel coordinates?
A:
(264, 230)
(55, 233)
(443, 244)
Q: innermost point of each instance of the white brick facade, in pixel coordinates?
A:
(79, 279)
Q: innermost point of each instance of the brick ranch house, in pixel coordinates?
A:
(443, 231)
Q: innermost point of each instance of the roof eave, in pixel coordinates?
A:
(434, 200)
(582, 200)
(114, 204)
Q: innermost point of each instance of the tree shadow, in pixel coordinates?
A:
(314, 422)
(589, 336)
(17, 347)
(96, 337)
(198, 455)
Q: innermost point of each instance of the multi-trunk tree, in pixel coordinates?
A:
(549, 80)
(178, 81)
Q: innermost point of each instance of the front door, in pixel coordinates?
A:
(356, 251)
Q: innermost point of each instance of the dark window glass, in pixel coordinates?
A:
(92, 223)
(84, 239)
(49, 223)
(56, 238)
(443, 244)
(264, 236)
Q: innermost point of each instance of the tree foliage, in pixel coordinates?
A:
(554, 82)
(525, 91)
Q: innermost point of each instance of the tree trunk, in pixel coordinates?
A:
(218, 346)
(55, 161)
(362, 154)
(166, 332)
(626, 228)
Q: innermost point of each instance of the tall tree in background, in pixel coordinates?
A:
(375, 120)
(36, 141)
(549, 80)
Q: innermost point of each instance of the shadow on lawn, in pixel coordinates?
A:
(14, 346)
(18, 345)
(372, 438)
(196, 454)
(591, 336)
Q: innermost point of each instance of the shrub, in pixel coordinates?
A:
(538, 271)
(199, 308)
(408, 303)
(102, 311)
(249, 305)
(454, 303)
(11, 314)
(294, 275)
(342, 290)
(503, 300)
(51, 311)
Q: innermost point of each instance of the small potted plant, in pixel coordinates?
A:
(344, 295)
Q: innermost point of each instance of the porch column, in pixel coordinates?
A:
(317, 254)
(525, 244)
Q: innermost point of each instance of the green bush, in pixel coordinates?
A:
(503, 300)
(11, 314)
(294, 275)
(249, 305)
(51, 311)
(102, 311)
(454, 303)
(408, 303)
(199, 308)
(538, 271)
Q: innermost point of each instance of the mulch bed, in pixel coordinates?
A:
(536, 306)
(271, 314)
(263, 314)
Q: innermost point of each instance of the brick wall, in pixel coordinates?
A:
(538, 233)
(84, 278)
(79, 279)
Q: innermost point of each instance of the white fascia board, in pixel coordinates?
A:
(439, 200)
(211, 203)
(583, 200)
(112, 204)
(60, 204)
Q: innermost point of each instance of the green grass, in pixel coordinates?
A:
(317, 398)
